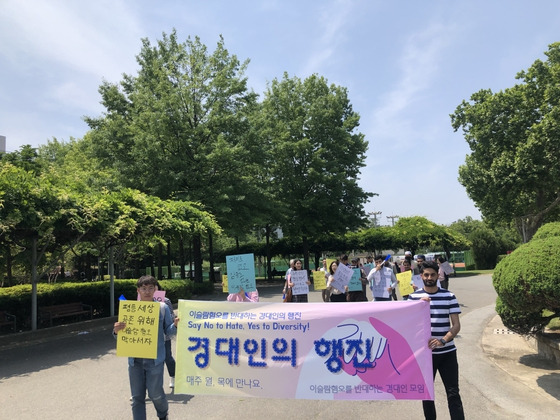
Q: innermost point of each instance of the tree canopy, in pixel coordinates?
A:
(513, 171)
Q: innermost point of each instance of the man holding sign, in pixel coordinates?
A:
(145, 373)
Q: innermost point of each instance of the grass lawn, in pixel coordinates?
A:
(470, 273)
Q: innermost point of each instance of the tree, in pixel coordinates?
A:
(527, 282)
(177, 129)
(314, 156)
(513, 171)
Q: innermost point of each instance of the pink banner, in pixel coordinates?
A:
(329, 351)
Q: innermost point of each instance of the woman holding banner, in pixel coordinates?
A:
(336, 295)
(297, 281)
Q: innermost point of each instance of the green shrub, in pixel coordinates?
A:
(528, 283)
(17, 299)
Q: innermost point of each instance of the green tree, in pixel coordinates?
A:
(177, 129)
(513, 171)
(314, 156)
(527, 282)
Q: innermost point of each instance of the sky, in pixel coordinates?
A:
(406, 64)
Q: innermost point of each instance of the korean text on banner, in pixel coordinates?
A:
(241, 273)
(361, 351)
(139, 338)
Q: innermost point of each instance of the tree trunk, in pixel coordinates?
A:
(34, 280)
(112, 280)
(182, 257)
(9, 273)
(169, 273)
(305, 244)
(160, 261)
(211, 258)
(152, 266)
(197, 251)
(268, 253)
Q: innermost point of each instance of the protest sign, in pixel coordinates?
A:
(417, 280)
(139, 338)
(319, 280)
(404, 279)
(224, 283)
(381, 282)
(342, 277)
(368, 267)
(241, 273)
(355, 284)
(299, 279)
(361, 351)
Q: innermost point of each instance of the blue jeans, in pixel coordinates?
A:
(169, 360)
(145, 375)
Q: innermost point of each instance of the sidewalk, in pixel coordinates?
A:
(518, 356)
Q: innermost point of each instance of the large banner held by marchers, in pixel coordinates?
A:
(360, 351)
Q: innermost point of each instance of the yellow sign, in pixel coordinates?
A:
(140, 337)
(319, 280)
(225, 287)
(404, 279)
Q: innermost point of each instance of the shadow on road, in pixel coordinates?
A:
(551, 384)
(23, 360)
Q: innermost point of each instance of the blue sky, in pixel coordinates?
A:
(406, 64)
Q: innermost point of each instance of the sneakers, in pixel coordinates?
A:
(172, 382)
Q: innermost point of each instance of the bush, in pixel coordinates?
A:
(17, 299)
(527, 283)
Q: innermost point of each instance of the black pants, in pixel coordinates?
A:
(448, 368)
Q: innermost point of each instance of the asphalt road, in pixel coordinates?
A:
(78, 376)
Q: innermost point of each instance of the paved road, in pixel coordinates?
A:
(77, 375)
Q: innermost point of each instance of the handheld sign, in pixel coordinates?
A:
(405, 278)
(140, 337)
(319, 280)
(299, 278)
(342, 277)
(355, 284)
(241, 273)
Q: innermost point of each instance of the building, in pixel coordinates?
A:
(2, 144)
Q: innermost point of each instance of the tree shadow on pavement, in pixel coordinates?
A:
(551, 384)
(37, 356)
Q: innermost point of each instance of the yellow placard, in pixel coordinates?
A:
(140, 337)
(329, 261)
(319, 280)
(405, 288)
(225, 287)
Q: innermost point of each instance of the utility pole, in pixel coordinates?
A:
(374, 215)
(393, 219)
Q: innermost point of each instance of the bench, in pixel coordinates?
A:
(64, 310)
(7, 319)
(275, 273)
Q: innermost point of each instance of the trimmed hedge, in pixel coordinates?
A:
(17, 299)
(528, 282)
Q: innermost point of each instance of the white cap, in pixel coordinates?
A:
(408, 253)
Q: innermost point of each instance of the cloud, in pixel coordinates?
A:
(393, 120)
(90, 31)
(333, 17)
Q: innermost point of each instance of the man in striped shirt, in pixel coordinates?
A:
(444, 313)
